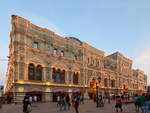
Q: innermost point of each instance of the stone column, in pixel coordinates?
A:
(67, 77)
(70, 77)
(26, 72)
(21, 71)
(44, 74)
(51, 75)
(16, 69)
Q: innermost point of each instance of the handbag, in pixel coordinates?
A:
(29, 108)
(74, 105)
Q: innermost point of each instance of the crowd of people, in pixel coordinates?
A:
(27, 101)
(65, 102)
(142, 102)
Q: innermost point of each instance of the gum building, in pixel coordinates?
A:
(45, 64)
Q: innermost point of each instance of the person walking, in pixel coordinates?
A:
(35, 98)
(118, 104)
(76, 104)
(142, 103)
(147, 104)
(104, 98)
(68, 102)
(63, 103)
(122, 98)
(109, 99)
(136, 102)
(30, 99)
(26, 105)
(58, 101)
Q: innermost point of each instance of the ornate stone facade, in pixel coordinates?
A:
(43, 61)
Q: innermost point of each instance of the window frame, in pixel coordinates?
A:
(36, 45)
(62, 53)
(55, 51)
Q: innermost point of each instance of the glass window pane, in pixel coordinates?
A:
(39, 73)
(36, 45)
(31, 72)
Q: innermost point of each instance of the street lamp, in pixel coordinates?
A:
(99, 80)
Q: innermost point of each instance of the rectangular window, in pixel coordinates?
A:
(36, 45)
(55, 51)
(62, 53)
(75, 57)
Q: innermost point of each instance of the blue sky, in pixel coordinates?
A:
(108, 25)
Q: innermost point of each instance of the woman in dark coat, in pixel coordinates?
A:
(25, 104)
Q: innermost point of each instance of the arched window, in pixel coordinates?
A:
(54, 75)
(58, 76)
(98, 63)
(112, 83)
(75, 78)
(31, 72)
(62, 78)
(39, 73)
(105, 82)
(88, 61)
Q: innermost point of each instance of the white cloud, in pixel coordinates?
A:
(142, 61)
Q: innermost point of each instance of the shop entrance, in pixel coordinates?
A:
(58, 93)
(36, 94)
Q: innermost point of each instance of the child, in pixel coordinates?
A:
(118, 104)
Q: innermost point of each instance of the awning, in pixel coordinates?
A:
(59, 93)
(8, 93)
(35, 91)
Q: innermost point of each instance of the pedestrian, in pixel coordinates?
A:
(147, 104)
(142, 103)
(128, 97)
(63, 103)
(35, 98)
(30, 99)
(82, 99)
(68, 102)
(118, 104)
(58, 101)
(122, 98)
(26, 105)
(136, 102)
(104, 98)
(109, 99)
(100, 101)
(76, 105)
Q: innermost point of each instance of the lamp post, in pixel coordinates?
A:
(99, 80)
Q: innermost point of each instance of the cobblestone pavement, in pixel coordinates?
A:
(88, 107)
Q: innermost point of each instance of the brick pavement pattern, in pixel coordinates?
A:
(88, 107)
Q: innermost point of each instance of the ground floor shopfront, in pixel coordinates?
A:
(46, 93)
(49, 93)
